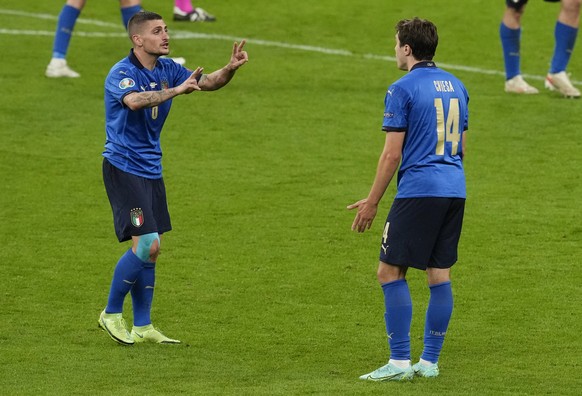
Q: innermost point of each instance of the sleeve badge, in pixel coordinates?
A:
(126, 83)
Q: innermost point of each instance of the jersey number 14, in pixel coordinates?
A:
(447, 126)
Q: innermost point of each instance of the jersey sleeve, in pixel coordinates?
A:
(119, 83)
(395, 110)
(180, 74)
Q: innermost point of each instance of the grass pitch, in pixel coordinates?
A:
(261, 277)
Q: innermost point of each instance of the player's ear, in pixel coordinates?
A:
(137, 40)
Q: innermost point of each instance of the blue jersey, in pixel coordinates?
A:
(431, 107)
(133, 137)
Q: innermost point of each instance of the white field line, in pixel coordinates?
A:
(186, 35)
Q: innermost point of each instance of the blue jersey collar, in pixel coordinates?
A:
(133, 59)
(423, 64)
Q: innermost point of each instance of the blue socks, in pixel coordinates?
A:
(438, 314)
(65, 25)
(128, 12)
(398, 317)
(510, 41)
(142, 295)
(125, 275)
(565, 37)
(132, 274)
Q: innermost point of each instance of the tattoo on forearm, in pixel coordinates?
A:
(153, 98)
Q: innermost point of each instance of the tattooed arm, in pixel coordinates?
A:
(140, 100)
(221, 77)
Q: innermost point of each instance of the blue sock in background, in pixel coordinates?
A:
(510, 42)
(438, 315)
(398, 317)
(565, 39)
(126, 273)
(128, 12)
(142, 295)
(65, 25)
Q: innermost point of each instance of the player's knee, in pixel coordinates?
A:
(148, 247)
(389, 273)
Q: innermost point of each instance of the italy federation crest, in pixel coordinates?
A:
(136, 215)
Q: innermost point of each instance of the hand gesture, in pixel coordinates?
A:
(238, 57)
(365, 215)
(191, 83)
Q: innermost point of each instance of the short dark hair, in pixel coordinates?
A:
(138, 19)
(421, 35)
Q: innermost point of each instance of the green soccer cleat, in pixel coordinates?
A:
(389, 372)
(426, 371)
(150, 334)
(114, 325)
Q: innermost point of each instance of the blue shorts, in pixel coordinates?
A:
(423, 232)
(139, 205)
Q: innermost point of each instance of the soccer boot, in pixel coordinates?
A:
(197, 15)
(561, 83)
(114, 325)
(389, 372)
(518, 85)
(58, 68)
(426, 371)
(150, 334)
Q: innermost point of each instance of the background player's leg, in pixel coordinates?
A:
(128, 9)
(565, 34)
(66, 23)
(510, 35)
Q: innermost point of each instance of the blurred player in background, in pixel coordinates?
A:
(565, 33)
(66, 23)
(185, 11)
(58, 67)
(138, 95)
(425, 120)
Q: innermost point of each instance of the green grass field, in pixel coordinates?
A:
(261, 277)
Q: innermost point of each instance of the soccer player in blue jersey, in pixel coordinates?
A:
(565, 34)
(425, 120)
(138, 94)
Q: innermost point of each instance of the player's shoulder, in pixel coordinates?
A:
(450, 78)
(123, 67)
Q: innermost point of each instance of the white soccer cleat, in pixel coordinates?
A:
(197, 15)
(58, 68)
(518, 85)
(561, 83)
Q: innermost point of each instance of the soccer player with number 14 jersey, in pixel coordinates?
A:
(425, 120)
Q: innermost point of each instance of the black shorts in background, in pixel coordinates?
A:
(139, 205)
(423, 232)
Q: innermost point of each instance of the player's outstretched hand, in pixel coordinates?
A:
(238, 57)
(365, 215)
(191, 83)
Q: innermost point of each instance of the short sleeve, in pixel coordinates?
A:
(119, 83)
(395, 109)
